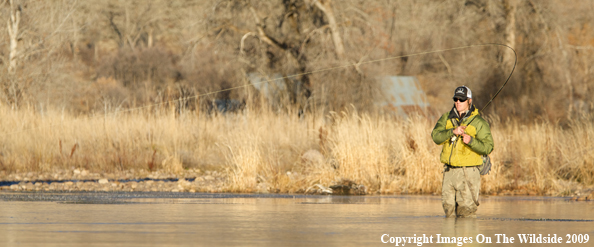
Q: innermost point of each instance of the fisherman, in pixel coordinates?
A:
(465, 137)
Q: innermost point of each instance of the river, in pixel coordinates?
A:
(196, 219)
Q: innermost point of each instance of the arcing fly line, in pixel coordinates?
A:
(318, 71)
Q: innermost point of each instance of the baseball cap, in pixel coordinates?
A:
(463, 93)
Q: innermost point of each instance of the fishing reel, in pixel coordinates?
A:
(454, 138)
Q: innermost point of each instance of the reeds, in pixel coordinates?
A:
(261, 151)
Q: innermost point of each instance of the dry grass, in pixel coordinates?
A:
(261, 151)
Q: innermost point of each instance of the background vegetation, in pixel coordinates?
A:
(68, 66)
(88, 56)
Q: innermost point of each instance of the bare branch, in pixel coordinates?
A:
(447, 65)
(269, 40)
(243, 40)
(317, 30)
(581, 47)
(326, 7)
(263, 36)
(115, 27)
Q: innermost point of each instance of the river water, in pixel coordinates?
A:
(185, 219)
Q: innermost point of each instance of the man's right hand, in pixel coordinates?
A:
(459, 130)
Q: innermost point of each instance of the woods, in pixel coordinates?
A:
(91, 56)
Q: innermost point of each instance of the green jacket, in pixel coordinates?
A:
(455, 152)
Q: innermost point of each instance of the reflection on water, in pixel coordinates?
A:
(126, 219)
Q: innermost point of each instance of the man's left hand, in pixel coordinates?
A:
(466, 138)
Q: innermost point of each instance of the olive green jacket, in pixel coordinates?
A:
(455, 152)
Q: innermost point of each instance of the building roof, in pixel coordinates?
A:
(402, 94)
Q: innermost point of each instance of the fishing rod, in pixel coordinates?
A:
(507, 80)
(505, 83)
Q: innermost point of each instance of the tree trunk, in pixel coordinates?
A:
(510, 32)
(294, 55)
(326, 7)
(13, 32)
(566, 72)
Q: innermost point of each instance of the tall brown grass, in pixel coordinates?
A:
(261, 150)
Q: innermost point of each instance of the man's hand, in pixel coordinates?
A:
(459, 130)
(466, 138)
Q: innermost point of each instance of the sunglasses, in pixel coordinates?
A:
(461, 100)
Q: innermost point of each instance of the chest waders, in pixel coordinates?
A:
(468, 184)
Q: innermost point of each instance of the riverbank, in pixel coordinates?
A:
(196, 181)
(193, 180)
(260, 151)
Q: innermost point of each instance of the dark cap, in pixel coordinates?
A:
(463, 93)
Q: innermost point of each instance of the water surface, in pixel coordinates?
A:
(185, 219)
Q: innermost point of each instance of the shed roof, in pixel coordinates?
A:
(403, 94)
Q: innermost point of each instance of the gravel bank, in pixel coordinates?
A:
(192, 180)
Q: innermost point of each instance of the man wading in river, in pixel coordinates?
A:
(465, 136)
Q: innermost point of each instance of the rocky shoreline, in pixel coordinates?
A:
(192, 180)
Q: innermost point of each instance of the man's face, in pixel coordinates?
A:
(462, 106)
